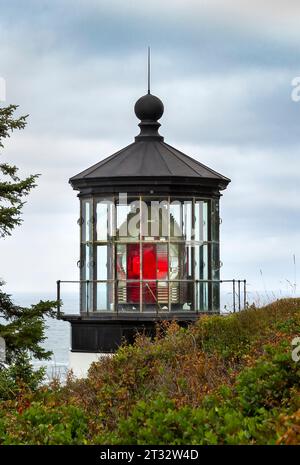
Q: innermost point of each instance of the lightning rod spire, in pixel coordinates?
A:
(149, 69)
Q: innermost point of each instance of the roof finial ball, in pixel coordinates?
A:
(149, 109)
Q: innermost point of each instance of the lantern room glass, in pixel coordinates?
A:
(149, 254)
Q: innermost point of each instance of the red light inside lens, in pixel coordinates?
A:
(155, 266)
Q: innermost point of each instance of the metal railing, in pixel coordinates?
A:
(238, 293)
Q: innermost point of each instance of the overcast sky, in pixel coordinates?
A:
(223, 70)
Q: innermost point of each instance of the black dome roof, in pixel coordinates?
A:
(149, 164)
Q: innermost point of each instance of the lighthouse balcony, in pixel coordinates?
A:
(151, 300)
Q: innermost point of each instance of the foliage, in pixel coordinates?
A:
(41, 424)
(24, 331)
(223, 380)
(19, 376)
(246, 414)
(12, 188)
(22, 328)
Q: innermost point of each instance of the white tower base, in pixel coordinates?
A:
(80, 362)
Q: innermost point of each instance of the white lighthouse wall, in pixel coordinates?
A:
(80, 362)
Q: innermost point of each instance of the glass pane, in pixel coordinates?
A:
(174, 260)
(121, 266)
(128, 274)
(162, 261)
(215, 221)
(121, 261)
(104, 262)
(133, 261)
(86, 274)
(86, 296)
(122, 212)
(104, 291)
(133, 293)
(87, 223)
(122, 292)
(215, 296)
(155, 296)
(163, 295)
(104, 212)
(181, 261)
(181, 219)
(150, 295)
(176, 219)
(201, 262)
(202, 297)
(181, 291)
(215, 262)
(105, 297)
(187, 220)
(102, 265)
(201, 221)
(149, 261)
(155, 267)
(155, 219)
(128, 220)
(182, 295)
(87, 262)
(128, 296)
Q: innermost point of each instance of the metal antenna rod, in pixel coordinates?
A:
(148, 70)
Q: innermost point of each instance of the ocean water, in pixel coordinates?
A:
(57, 332)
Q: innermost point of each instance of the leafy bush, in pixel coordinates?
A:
(268, 383)
(40, 424)
(246, 414)
(24, 332)
(19, 376)
(223, 380)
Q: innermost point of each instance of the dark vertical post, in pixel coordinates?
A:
(58, 298)
(87, 297)
(114, 245)
(94, 284)
(141, 280)
(81, 260)
(194, 305)
(156, 298)
(245, 294)
(169, 261)
(209, 256)
(239, 292)
(233, 294)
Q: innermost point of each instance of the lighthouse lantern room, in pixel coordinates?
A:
(149, 240)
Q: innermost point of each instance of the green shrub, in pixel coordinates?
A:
(40, 424)
(19, 376)
(160, 422)
(269, 382)
(224, 380)
(246, 414)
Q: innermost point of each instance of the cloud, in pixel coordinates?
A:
(223, 71)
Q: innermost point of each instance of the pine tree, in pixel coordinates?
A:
(12, 188)
(23, 329)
